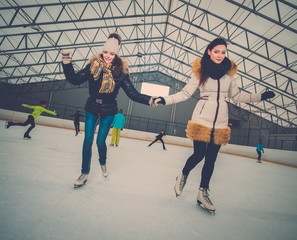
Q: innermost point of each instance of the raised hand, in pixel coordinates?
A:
(66, 56)
(266, 95)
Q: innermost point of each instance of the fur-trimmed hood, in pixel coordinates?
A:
(197, 66)
(123, 63)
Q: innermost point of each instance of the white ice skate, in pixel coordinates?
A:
(202, 198)
(180, 184)
(82, 179)
(104, 170)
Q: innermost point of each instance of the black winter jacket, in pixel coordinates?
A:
(103, 103)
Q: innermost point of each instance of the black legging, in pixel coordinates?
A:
(201, 150)
(259, 155)
(76, 125)
(158, 139)
(30, 120)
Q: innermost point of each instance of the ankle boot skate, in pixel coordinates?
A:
(104, 170)
(202, 198)
(82, 179)
(27, 136)
(180, 184)
(8, 124)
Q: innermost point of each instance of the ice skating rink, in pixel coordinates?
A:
(136, 201)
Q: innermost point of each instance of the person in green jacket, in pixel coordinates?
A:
(117, 126)
(37, 110)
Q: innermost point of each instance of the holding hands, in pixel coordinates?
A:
(155, 101)
(66, 56)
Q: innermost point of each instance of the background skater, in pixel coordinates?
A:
(76, 121)
(260, 149)
(159, 138)
(37, 110)
(117, 126)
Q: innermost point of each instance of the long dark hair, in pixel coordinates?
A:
(203, 71)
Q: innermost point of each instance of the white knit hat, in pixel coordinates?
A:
(111, 45)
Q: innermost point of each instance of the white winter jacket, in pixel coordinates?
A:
(212, 109)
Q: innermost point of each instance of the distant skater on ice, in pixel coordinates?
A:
(259, 150)
(213, 75)
(105, 73)
(37, 111)
(76, 121)
(159, 138)
(117, 125)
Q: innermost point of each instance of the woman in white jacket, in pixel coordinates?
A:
(213, 75)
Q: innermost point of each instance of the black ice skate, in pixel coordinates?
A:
(26, 136)
(8, 124)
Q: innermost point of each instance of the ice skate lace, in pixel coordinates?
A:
(182, 183)
(81, 177)
(205, 196)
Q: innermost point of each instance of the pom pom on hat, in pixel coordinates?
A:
(111, 45)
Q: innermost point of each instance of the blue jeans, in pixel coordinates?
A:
(90, 127)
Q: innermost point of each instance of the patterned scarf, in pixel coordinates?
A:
(98, 66)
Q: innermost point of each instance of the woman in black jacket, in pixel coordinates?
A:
(106, 73)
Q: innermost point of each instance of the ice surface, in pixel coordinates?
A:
(137, 200)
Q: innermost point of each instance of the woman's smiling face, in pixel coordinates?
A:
(108, 56)
(218, 53)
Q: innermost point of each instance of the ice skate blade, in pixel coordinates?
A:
(206, 209)
(80, 185)
(176, 194)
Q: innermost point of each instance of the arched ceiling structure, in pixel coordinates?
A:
(163, 36)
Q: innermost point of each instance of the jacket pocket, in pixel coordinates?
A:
(202, 106)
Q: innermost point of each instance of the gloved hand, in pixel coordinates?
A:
(66, 56)
(159, 100)
(266, 95)
(152, 101)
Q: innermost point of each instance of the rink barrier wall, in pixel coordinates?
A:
(284, 157)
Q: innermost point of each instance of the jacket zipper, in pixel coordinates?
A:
(217, 110)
